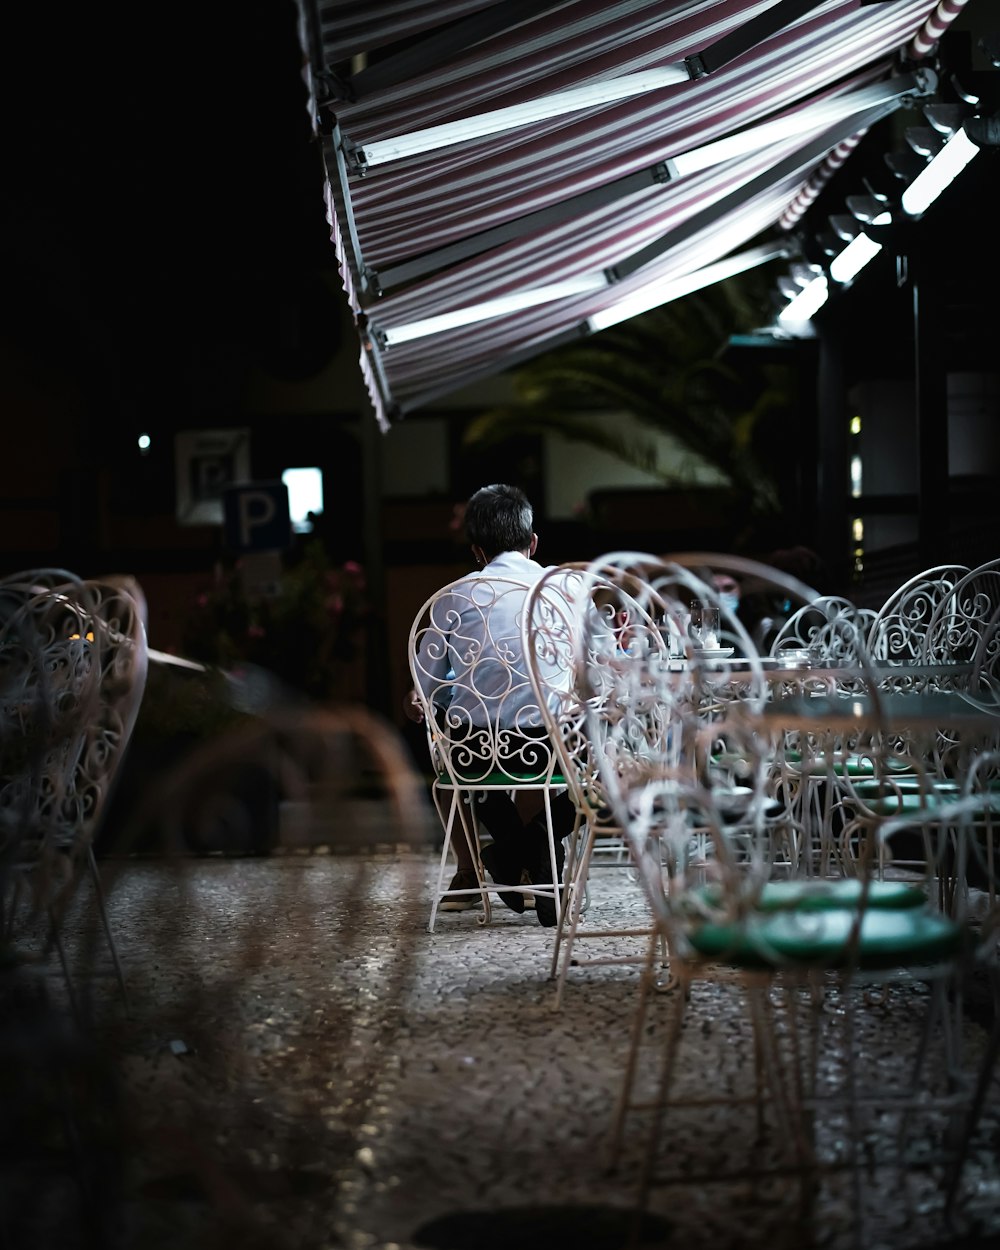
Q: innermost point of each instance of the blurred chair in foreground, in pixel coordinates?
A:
(72, 672)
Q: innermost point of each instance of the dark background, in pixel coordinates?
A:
(166, 261)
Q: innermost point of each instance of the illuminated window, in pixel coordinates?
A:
(305, 497)
(855, 477)
(858, 530)
(855, 425)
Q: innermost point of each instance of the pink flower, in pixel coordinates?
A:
(256, 631)
(352, 567)
(202, 601)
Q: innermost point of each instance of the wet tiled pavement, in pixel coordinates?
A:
(305, 1065)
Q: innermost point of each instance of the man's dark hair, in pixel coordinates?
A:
(499, 518)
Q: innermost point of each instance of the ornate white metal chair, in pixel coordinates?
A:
(975, 854)
(72, 672)
(585, 615)
(485, 729)
(821, 644)
(963, 631)
(898, 633)
(787, 943)
(818, 629)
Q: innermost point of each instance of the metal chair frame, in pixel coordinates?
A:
(480, 747)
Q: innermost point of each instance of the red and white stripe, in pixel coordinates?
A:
(810, 192)
(926, 39)
(429, 201)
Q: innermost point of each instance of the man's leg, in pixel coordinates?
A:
(507, 857)
(539, 862)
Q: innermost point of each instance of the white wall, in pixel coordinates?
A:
(573, 469)
(414, 463)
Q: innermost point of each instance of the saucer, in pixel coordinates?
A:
(715, 653)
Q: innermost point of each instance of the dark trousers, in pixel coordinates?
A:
(524, 846)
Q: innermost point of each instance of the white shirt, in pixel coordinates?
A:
(470, 657)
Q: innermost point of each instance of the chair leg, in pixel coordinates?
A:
(458, 821)
(987, 1074)
(573, 904)
(447, 824)
(55, 937)
(106, 924)
(671, 1046)
(647, 980)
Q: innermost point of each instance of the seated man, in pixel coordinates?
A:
(498, 523)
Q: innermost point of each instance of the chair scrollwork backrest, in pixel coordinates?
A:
(575, 617)
(964, 629)
(830, 629)
(482, 715)
(899, 633)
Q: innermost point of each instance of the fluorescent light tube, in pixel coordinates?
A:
(823, 113)
(861, 249)
(477, 127)
(653, 294)
(853, 258)
(584, 284)
(808, 301)
(935, 176)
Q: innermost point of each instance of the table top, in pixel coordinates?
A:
(889, 712)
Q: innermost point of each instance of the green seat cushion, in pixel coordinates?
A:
(910, 784)
(909, 800)
(822, 894)
(890, 937)
(857, 766)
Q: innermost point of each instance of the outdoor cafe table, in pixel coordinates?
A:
(889, 713)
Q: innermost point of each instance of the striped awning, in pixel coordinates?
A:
(504, 176)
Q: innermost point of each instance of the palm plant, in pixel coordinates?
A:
(663, 368)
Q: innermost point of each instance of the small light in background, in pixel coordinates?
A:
(856, 477)
(855, 425)
(145, 443)
(305, 497)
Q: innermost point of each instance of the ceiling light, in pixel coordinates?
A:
(803, 273)
(866, 208)
(530, 297)
(808, 301)
(829, 243)
(853, 258)
(825, 112)
(934, 177)
(653, 294)
(812, 117)
(844, 227)
(924, 140)
(945, 118)
(905, 165)
(482, 124)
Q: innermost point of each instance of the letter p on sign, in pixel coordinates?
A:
(256, 517)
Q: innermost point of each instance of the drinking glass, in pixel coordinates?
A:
(705, 626)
